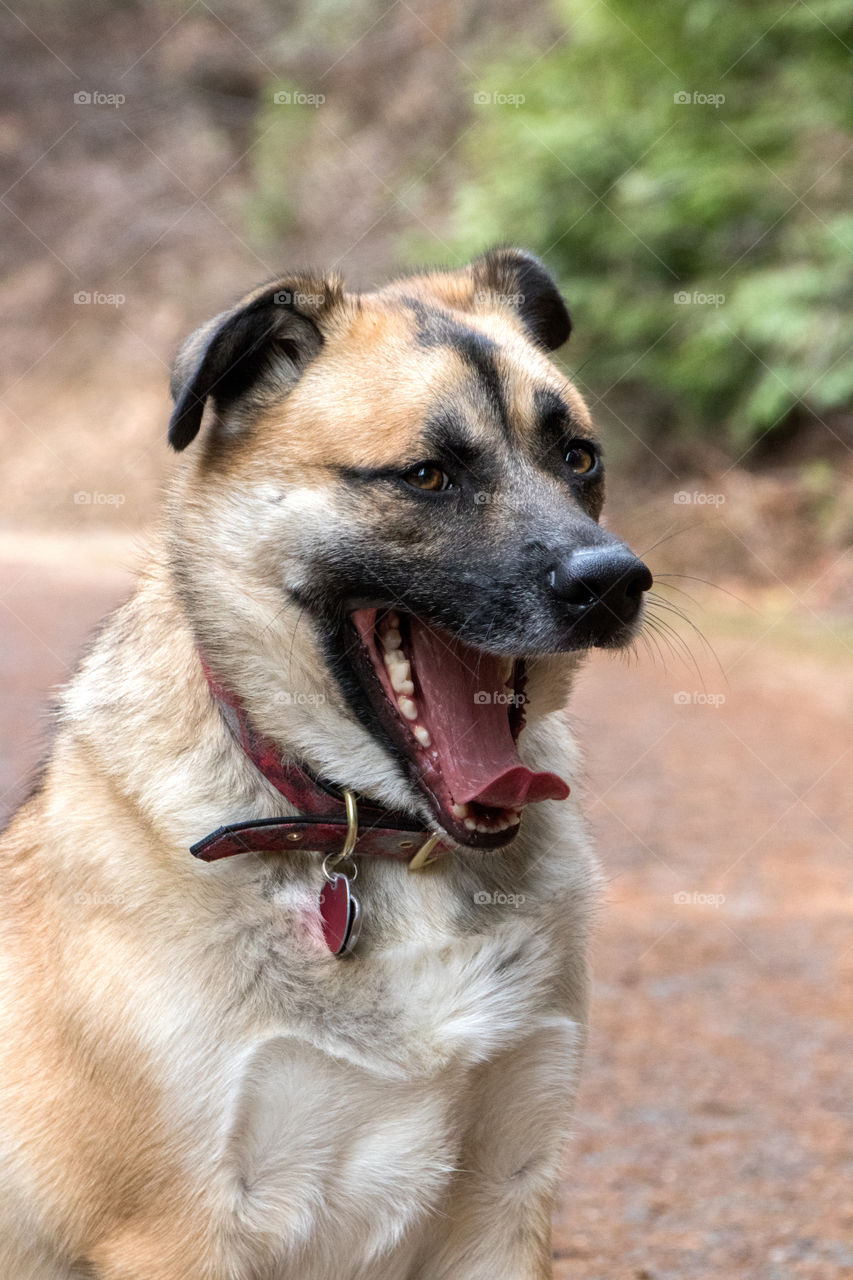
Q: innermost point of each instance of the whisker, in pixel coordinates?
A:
(673, 533)
(657, 603)
(671, 587)
(292, 643)
(676, 645)
(706, 582)
(661, 638)
(651, 645)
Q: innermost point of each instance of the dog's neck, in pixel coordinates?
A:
(327, 821)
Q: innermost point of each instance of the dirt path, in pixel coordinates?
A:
(715, 1129)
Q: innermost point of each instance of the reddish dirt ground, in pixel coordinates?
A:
(714, 1134)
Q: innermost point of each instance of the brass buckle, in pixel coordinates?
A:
(422, 858)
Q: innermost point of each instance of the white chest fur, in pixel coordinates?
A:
(330, 1140)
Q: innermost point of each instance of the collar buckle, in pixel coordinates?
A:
(425, 856)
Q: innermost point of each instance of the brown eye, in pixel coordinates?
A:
(580, 458)
(428, 476)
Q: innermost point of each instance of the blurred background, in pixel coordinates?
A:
(685, 170)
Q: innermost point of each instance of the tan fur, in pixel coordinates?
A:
(190, 1084)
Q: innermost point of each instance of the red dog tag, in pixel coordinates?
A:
(340, 915)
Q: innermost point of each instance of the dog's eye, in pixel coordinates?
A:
(430, 476)
(581, 459)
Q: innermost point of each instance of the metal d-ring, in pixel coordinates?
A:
(333, 860)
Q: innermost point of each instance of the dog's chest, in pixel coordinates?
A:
(331, 1165)
(346, 1121)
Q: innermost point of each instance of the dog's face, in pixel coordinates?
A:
(409, 470)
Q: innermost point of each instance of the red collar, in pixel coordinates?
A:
(325, 819)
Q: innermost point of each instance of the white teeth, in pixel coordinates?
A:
(399, 672)
(392, 619)
(490, 826)
(400, 676)
(401, 683)
(507, 670)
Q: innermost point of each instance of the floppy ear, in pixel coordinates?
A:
(522, 282)
(280, 324)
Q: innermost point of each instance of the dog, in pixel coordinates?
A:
(343, 1039)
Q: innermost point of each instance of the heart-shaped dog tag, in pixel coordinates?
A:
(340, 915)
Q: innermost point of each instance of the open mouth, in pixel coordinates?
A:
(455, 714)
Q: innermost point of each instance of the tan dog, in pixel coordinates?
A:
(383, 549)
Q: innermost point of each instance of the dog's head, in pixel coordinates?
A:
(399, 493)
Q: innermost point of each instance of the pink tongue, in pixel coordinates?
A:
(466, 708)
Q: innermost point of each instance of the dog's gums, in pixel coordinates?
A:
(455, 713)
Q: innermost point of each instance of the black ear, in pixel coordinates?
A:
(521, 281)
(229, 354)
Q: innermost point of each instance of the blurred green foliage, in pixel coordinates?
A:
(639, 195)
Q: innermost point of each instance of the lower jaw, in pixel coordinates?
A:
(471, 825)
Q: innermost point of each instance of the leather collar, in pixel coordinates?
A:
(329, 821)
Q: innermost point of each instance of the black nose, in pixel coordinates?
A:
(601, 585)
